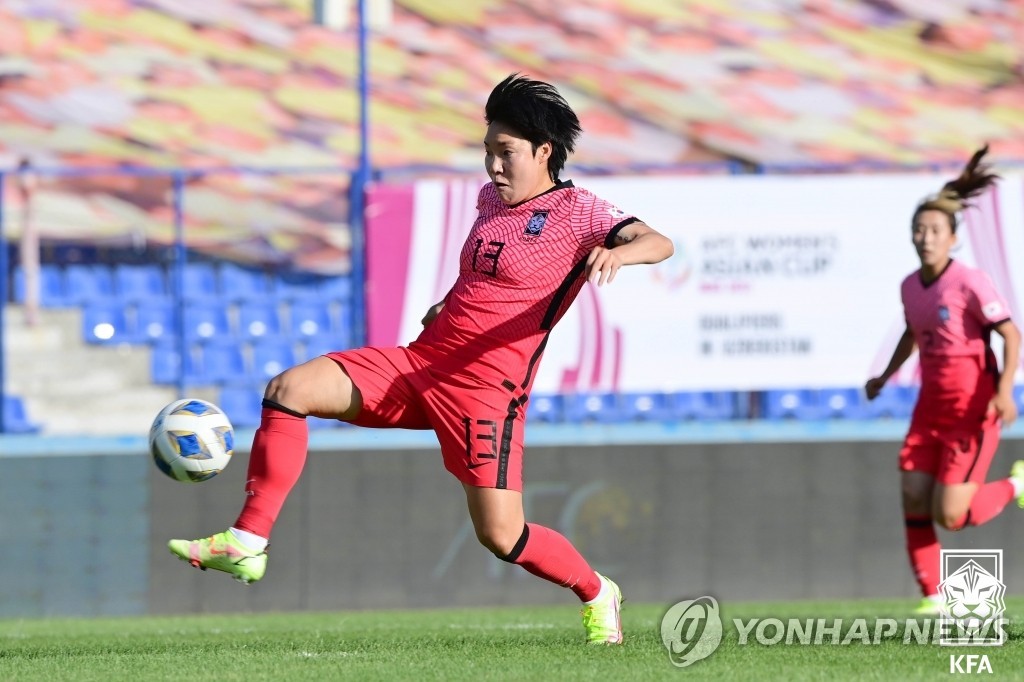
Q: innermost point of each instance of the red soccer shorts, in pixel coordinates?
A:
(479, 426)
(952, 456)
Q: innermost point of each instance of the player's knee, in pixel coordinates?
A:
(285, 389)
(952, 519)
(499, 540)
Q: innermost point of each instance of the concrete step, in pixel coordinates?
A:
(113, 413)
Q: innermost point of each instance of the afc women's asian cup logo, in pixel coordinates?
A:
(676, 271)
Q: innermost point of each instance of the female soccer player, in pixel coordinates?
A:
(536, 241)
(951, 310)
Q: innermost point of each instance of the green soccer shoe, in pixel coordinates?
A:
(222, 552)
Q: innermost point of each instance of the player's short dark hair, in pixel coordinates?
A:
(539, 113)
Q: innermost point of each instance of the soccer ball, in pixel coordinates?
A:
(191, 440)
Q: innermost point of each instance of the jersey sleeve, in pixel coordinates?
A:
(596, 221)
(984, 302)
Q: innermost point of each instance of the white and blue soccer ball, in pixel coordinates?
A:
(191, 440)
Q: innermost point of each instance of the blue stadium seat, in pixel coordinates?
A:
(703, 405)
(270, 357)
(258, 319)
(791, 404)
(88, 283)
(546, 408)
(224, 363)
(650, 406)
(139, 282)
(310, 318)
(1018, 397)
(841, 403)
(242, 405)
(336, 288)
(206, 321)
(16, 418)
(894, 402)
(289, 286)
(243, 284)
(165, 363)
(153, 321)
(200, 281)
(105, 323)
(52, 287)
(592, 406)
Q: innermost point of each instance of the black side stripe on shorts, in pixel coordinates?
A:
(506, 442)
(977, 454)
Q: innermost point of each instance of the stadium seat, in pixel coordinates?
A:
(1018, 397)
(309, 318)
(703, 405)
(105, 323)
(200, 281)
(592, 406)
(652, 406)
(224, 363)
(290, 286)
(336, 288)
(791, 404)
(243, 284)
(88, 283)
(153, 321)
(165, 364)
(52, 287)
(546, 408)
(894, 402)
(841, 403)
(242, 405)
(258, 319)
(16, 418)
(270, 357)
(139, 282)
(206, 321)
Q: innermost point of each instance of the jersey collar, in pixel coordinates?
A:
(561, 184)
(928, 284)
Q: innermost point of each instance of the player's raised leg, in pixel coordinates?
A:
(500, 526)
(320, 387)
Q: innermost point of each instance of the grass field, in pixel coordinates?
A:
(536, 643)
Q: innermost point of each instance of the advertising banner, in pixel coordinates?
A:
(777, 281)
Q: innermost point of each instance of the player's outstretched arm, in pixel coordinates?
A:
(903, 350)
(634, 244)
(1003, 404)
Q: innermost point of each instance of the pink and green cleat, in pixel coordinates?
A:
(602, 620)
(222, 552)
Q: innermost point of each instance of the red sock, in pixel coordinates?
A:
(923, 548)
(275, 463)
(548, 554)
(990, 499)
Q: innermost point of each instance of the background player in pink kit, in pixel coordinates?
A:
(951, 310)
(536, 241)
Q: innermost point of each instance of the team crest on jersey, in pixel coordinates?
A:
(944, 313)
(535, 225)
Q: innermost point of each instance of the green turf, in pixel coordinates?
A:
(539, 643)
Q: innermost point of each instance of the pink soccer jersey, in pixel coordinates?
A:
(520, 269)
(951, 316)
